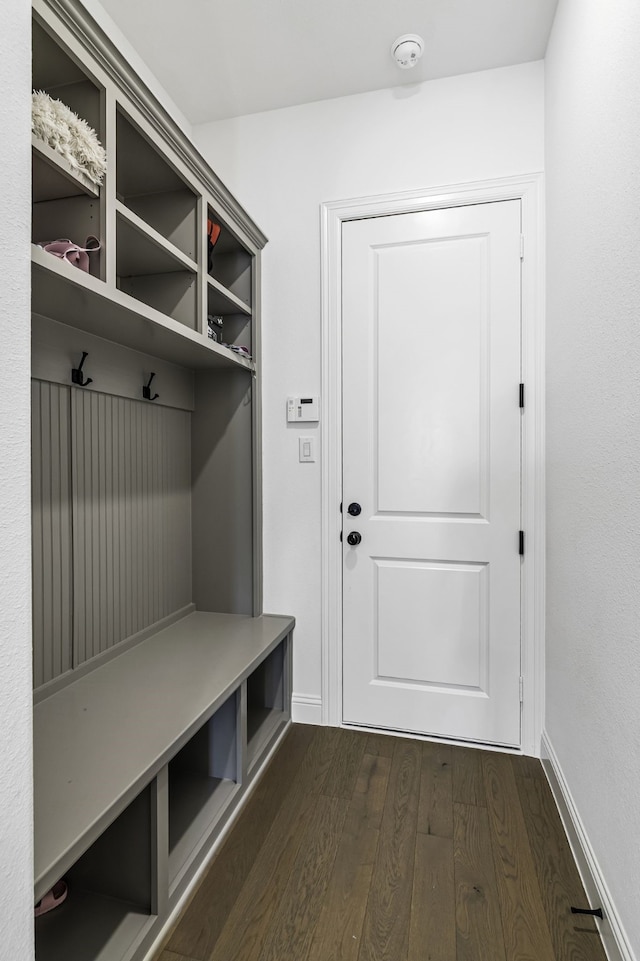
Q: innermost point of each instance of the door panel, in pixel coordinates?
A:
(443, 401)
(431, 435)
(442, 639)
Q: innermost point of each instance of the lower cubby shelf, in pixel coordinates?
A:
(91, 927)
(196, 803)
(109, 906)
(267, 708)
(204, 778)
(263, 724)
(139, 764)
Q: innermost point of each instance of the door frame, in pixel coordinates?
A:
(529, 190)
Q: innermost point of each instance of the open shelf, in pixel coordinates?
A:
(266, 707)
(262, 726)
(203, 779)
(59, 74)
(231, 265)
(64, 293)
(197, 803)
(142, 250)
(141, 168)
(149, 186)
(172, 215)
(75, 218)
(222, 301)
(152, 270)
(90, 927)
(54, 178)
(109, 902)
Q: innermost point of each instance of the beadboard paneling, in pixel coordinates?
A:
(132, 518)
(51, 531)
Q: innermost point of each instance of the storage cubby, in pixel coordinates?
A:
(154, 273)
(110, 900)
(266, 702)
(230, 263)
(72, 218)
(148, 185)
(169, 713)
(56, 71)
(65, 200)
(236, 319)
(203, 779)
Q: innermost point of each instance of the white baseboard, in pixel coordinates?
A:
(306, 709)
(614, 938)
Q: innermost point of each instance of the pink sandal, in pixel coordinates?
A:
(51, 899)
(73, 253)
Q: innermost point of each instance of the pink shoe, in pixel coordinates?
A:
(51, 899)
(73, 253)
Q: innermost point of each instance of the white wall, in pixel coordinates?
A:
(16, 889)
(593, 429)
(282, 165)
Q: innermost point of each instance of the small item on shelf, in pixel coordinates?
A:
(239, 349)
(58, 126)
(214, 327)
(72, 253)
(52, 898)
(213, 233)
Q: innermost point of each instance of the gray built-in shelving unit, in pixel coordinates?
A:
(160, 687)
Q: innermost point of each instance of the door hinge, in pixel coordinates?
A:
(521, 395)
(521, 689)
(521, 542)
(521, 246)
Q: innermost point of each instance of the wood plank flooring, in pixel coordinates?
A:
(365, 847)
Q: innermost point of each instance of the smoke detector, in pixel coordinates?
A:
(407, 50)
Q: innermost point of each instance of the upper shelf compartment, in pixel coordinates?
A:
(148, 185)
(68, 164)
(229, 264)
(58, 73)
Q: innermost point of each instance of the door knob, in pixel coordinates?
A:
(354, 509)
(354, 538)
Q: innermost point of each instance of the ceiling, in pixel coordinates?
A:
(225, 58)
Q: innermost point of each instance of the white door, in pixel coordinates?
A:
(431, 453)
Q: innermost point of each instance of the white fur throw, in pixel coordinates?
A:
(60, 128)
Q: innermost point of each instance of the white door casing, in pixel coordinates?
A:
(528, 190)
(431, 448)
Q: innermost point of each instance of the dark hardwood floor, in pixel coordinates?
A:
(358, 847)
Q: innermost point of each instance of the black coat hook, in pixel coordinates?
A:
(77, 377)
(146, 391)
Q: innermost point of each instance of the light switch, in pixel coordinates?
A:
(306, 450)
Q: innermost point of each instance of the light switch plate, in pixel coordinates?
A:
(306, 450)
